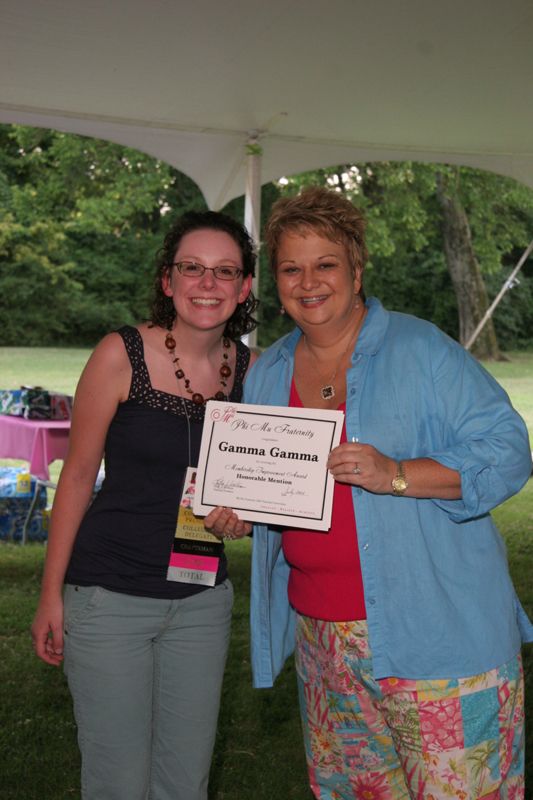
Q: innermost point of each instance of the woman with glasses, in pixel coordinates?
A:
(144, 623)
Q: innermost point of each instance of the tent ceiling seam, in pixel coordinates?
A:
(245, 132)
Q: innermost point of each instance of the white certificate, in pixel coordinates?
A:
(268, 463)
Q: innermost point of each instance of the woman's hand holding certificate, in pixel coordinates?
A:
(224, 523)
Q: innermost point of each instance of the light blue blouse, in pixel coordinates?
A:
(440, 602)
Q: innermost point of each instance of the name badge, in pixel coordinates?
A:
(195, 552)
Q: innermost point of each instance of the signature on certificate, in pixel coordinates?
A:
(222, 485)
(293, 492)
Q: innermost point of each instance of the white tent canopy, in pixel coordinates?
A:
(320, 82)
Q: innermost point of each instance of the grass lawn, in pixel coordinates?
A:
(258, 751)
(53, 368)
(516, 377)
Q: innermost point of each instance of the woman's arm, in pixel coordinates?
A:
(462, 444)
(103, 384)
(424, 476)
(484, 438)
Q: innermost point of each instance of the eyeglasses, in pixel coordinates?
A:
(224, 272)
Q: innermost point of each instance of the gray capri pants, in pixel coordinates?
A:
(146, 675)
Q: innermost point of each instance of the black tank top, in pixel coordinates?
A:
(125, 538)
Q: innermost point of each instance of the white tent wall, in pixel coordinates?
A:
(319, 83)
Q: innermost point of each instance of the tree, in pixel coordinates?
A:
(500, 216)
(81, 221)
(464, 268)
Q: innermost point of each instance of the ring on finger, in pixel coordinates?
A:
(356, 469)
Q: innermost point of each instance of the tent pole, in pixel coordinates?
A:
(252, 208)
(508, 284)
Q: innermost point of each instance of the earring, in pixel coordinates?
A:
(281, 310)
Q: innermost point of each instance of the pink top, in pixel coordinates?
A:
(325, 580)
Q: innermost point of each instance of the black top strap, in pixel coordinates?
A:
(142, 392)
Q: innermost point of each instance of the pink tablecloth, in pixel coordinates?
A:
(38, 441)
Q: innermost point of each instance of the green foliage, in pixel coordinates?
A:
(500, 214)
(273, 323)
(80, 222)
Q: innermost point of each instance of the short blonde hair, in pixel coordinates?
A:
(322, 211)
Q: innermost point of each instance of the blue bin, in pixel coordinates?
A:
(17, 489)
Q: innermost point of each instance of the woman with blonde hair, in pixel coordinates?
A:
(406, 625)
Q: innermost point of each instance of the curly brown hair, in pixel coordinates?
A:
(322, 211)
(163, 312)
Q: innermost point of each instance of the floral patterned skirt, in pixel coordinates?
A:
(395, 738)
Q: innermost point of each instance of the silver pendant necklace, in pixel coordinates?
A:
(327, 391)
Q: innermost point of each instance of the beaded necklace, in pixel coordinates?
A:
(224, 371)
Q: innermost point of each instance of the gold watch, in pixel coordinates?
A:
(399, 482)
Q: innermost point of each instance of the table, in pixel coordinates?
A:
(38, 441)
